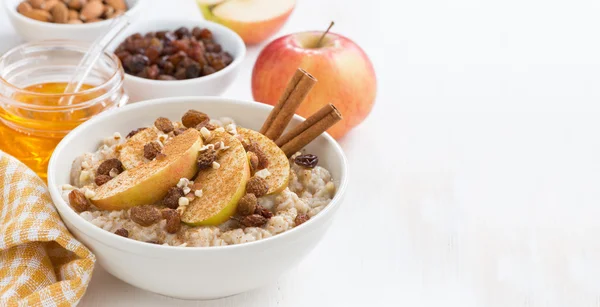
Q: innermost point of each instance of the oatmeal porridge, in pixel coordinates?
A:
(196, 182)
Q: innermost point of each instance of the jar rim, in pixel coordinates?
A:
(67, 44)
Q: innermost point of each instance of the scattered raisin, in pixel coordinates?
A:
(107, 165)
(263, 211)
(172, 198)
(78, 201)
(257, 186)
(253, 159)
(192, 118)
(301, 218)
(164, 124)
(134, 132)
(179, 131)
(102, 179)
(122, 232)
(151, 150)
(263, 160)
(145, 215)
(206, 158)
(173, 220)
(253, 220)
(307, 160)
(247, 204)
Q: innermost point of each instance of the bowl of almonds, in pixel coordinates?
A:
(83, 20)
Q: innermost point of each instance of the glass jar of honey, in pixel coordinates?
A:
(35, 114)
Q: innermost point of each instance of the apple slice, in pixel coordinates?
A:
(150, 182)
(132, 151)
(253, 20)
(221, 187)
(279, 165)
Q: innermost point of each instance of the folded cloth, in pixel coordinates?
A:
(41, 264)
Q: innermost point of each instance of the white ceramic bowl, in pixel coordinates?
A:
(191, 272)
(140, 89)
(34, 30)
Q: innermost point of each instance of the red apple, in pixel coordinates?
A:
(345, 75)
(253, 20)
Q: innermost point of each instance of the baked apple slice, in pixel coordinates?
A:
(278, 164)
(150, 182)
(222, 187)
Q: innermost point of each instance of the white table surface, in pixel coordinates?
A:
(474, 182)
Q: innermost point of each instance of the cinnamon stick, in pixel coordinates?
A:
(309, 130)
(296, 91)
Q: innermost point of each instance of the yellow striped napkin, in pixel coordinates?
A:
(41, 264)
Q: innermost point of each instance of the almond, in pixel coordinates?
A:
(91, 11)
(24, 7)
(36, 4)
(109, 11)
(75, 21)
(49, 4)
(40, 15)
(73, 15)
(60, 13)
(75, 4)
(117, 4)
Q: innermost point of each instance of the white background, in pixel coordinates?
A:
(474, 182)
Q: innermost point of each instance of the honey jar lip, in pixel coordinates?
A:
(110, 82)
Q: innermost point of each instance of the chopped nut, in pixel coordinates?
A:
(263, 212)
(106, 166)
(145, 215)
(164, 124)
(216, 165)
(173, 220)
(78, 201)
(183, 201)
(160, 156)
(151, 150)
(134, 132)
(186, 190)
(206, 135)
(172, 198)
(257, 186)
(116, 136)
(247, 204)
(253, 159)
(113, 173)
(198, 193)
(162, 138)
(67, 186)
(102, 179)
(193, 118)
(253, 220)
(263, 173)
(122, 232)
(89, 193)
(307, 160)
(301, 219)
(206, 158)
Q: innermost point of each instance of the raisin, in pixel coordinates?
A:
(173, 220)
(257, 186)
(102, 179)
(247, 204)
(253, 159)
(205, 34)
(253, 220)
(164, 124)
(192, 118)
(107, 165)
(172, 198)
(192, 70)
(134, 132)
(263, 211)
(179, 131)
(182, 32)
(301, 219)
(78, 201)
(307, 161)
(207, 70)
(206, 158)
(263, 160)
(122, 232)
(136, 63)
(145, 215)
(151, 150)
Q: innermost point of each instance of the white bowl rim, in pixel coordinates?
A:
(94, 231)
(240, 46)
(13, 11)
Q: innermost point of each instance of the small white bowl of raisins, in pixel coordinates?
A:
(168, 58)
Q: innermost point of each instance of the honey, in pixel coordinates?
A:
(30, 134)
